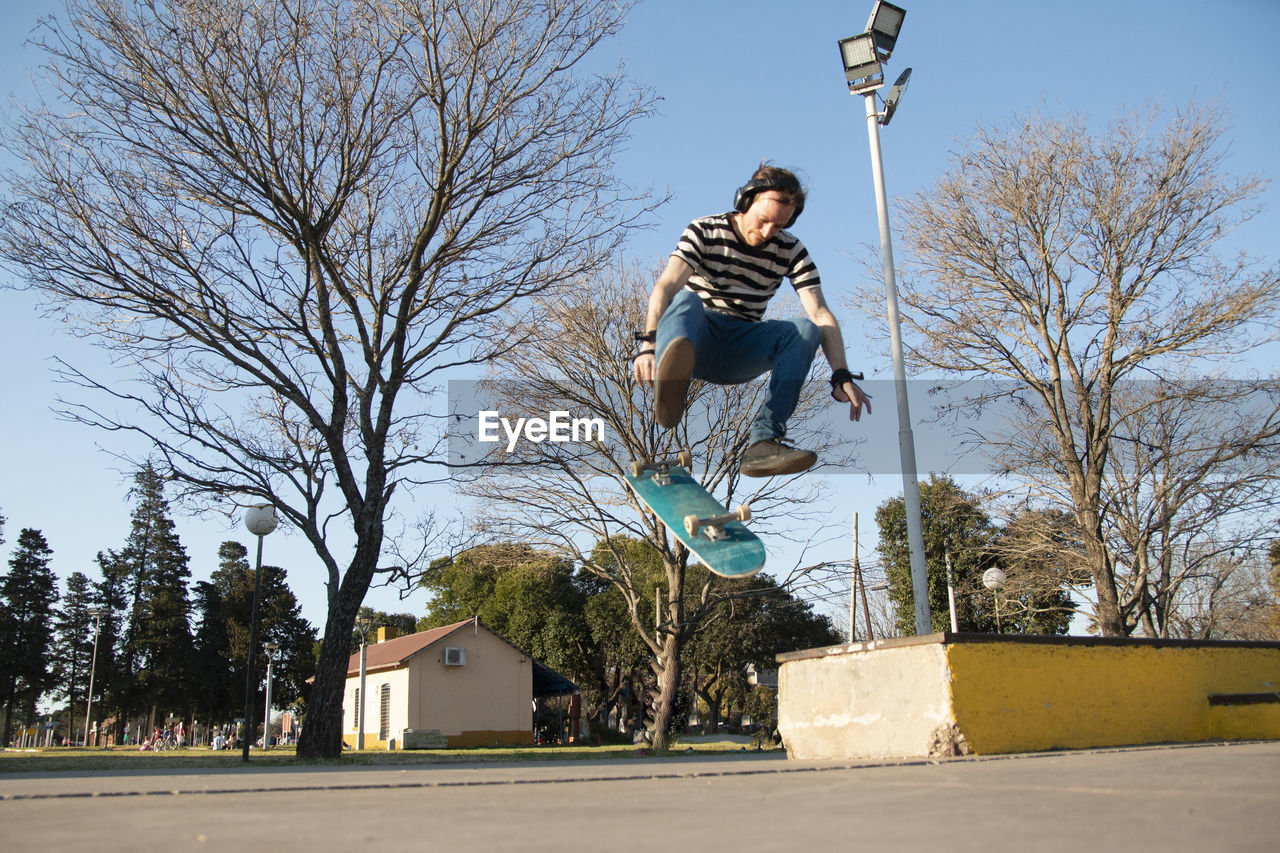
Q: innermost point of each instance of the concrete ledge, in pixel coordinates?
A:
(956, 694)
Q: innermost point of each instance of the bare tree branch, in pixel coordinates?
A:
(287, 220)
(1068, 261)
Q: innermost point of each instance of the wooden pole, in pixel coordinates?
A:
(859, 587)
(854, 576)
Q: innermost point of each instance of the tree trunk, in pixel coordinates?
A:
(1111, 621)
(322, 728)
(668, 670)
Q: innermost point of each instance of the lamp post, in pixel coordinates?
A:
(993, 579)
(260, 519)
(863, 56)
(96, 613)
(951, 589)
(273, 649)
(362, 625)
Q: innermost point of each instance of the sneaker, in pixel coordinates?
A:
(772, 458)
(672, 380)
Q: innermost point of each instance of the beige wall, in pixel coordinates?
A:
(493, 692)
(488, 700)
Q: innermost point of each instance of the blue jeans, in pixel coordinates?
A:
(730, 351)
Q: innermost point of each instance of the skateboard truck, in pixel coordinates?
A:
(662, 467)
(714, 525)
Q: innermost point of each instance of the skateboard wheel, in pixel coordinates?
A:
(743, 512)
(692, 524)
(686, 459)
(637, 468)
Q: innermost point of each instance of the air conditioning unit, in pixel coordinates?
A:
(455, 656)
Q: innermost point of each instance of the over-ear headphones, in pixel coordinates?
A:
(748, 191)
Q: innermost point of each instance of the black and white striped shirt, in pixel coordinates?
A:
(738, 279)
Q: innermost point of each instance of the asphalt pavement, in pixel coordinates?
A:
(1219, 797)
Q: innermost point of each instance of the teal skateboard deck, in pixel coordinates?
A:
(716, 537)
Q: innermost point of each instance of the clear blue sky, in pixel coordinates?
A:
(740, 81)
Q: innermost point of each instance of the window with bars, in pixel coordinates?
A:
(355, 710)
(384, 713)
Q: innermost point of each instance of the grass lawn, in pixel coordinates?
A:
(75, 760)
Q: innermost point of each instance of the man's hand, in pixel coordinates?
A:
(644, 366)
(852, 394)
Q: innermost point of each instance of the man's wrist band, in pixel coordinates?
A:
(647, 337)
(841, 376)
(642, 352)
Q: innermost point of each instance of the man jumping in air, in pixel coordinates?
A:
(705, 319)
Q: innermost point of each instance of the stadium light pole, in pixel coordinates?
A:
(260, 519)
(96, 613)
(863, 56)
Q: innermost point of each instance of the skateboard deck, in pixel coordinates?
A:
(739, 554)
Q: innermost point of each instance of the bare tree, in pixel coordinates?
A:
(1069, 261)
(570, 497)
(287, 218)
(1230, 598)
(1192, 479)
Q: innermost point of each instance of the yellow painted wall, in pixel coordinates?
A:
(1012, 697)
(490, 738)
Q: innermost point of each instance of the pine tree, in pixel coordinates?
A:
(112, 682)
(157, 636)
(28, 594)
(225, 604)
(73, 646)
(212, 662)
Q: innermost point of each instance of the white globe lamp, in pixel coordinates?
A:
(260, 519)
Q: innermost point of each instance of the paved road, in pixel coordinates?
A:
(1176, 798)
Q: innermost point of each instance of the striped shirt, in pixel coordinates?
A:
(738, 279)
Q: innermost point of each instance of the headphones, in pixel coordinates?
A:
(747, 192)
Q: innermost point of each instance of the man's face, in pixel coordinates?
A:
(768, 214)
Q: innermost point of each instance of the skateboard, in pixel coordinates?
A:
(715, 536)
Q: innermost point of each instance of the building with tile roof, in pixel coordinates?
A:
(459, 685)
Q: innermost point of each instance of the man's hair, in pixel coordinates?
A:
(782, 181)
(771, 178)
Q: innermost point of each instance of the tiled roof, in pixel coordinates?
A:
(392, 653)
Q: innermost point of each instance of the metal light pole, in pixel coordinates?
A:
(96, 613)
(272, 650)
(862, 56)
(260, 520)
(362, 624)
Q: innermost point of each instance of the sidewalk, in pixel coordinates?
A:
(1221, 797)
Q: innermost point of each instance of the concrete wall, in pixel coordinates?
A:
(948, 694)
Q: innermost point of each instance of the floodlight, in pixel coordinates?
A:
(895, 94)
(884, 23)
(860, 61)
